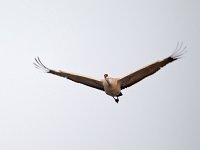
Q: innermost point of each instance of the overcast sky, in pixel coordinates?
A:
(39, 111)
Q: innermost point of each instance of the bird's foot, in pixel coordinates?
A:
(116, 99)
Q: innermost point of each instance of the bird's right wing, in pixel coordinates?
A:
(137, 76)
(94, 83)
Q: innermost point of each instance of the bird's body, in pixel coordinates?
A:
(113, 86)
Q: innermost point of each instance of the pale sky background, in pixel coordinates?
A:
(39, 111)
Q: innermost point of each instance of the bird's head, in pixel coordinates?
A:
(105, 76)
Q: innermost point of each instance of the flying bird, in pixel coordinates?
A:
(113, 86)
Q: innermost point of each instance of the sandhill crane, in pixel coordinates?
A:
(113, 86)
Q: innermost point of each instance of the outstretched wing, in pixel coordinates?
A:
(152, 68)
(71, 76)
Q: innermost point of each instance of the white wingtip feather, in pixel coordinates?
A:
(179, 51)
(38, 64)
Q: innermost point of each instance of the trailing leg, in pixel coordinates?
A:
(116, 99)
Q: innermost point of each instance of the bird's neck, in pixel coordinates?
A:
(108, 81)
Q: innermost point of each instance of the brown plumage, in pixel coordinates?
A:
(113, 86)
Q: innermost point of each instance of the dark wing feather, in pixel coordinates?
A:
(71, 76)
(137, 76)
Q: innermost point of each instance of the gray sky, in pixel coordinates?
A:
(90, 37)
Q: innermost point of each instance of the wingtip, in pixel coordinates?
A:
(179, 51)
(39, 65)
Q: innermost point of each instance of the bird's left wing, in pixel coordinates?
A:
(94, 83)
(137, 76)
